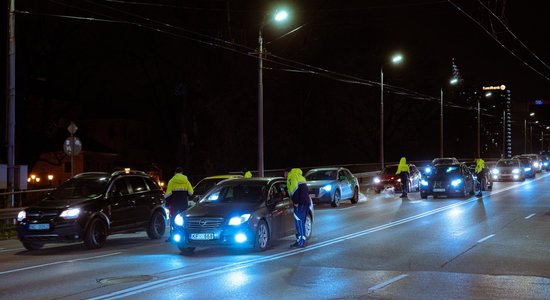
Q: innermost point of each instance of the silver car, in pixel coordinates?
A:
(508, 170)
(331, 185)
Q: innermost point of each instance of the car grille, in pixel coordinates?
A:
(439, 184)
(40, 215)
(204, 223)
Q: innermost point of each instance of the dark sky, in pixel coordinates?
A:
(181, 81)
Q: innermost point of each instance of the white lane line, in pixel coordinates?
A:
(238, 265)
(529, 216)
(485, 238)
(11, 250)
(57, 263)
(387, 282)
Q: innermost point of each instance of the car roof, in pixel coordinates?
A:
(226, 176)
(326, 169)
(266, 180)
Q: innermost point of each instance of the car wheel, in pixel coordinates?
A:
(32, 245)
(157, 226)
(336, 199)
(423, 195)
(262, 236)
(309, 226)
(96, 234)
(186, 250)
(355, 198)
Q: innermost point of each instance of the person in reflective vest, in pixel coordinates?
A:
(299, 193)
(247, 174)
(403, 171)
(177, 195)
(480, 174)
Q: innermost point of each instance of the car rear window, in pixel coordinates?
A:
(322, 175)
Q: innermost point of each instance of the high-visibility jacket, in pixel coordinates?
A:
(177, 192)
(297, 187)
(403, 166)
(480, 164)
(247, 174)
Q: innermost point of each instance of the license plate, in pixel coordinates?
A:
(439, 190)
(39, 226)
(202, 236)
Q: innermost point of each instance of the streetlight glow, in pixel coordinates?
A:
(281, 15)
(453, 81)
(397, 59)
(532, 114)
(488, 94)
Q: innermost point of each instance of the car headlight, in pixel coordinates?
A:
(496, 171)
(516, 171)
(456, 182)
(71, 213)
(545, 163)
(376, 180)
(21, 215)
(235, 221)
(526, 170)
(536, 164)
(424, 182)
(178, 220)
(428, 170)
(326, 188)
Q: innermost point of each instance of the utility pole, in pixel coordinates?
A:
(11, 104)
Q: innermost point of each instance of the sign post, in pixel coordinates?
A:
(71, 141)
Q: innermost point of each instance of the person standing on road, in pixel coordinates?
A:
(247, 174)
(403, 171)
(177, 195)
(299, 193)
(480, 173)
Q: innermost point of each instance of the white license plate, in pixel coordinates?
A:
(439, 190)
(39, 226)
(202, 236)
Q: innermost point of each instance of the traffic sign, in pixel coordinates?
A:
(67, 145)
(72, 128)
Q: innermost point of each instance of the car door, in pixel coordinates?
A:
(288, 205)
(121, 210)
(345, 186)
(141, 199)
(468, 178)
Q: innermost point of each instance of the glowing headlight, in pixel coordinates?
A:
(496, 171)
(516, 171)
(536, 164)
(428, 170)
(526, 170)
(21, 215)
(240, 238)
(327, 188)
(456, 182)
(71, 213)
(376, 180)
(545, 163)
(399, 180)
(424, 182)
(239, 220)
(177, 238)
(178, 220)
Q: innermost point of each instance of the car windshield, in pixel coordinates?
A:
(80, 188)
(442, 170)
(204, 185)
(440, 161)
(253, 191)
(389, 170)
(322, 175)
(507, 163)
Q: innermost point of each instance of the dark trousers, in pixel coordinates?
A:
(300, 213)
(174, 211)
(404, 176)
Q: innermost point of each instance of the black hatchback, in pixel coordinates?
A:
(91, 206)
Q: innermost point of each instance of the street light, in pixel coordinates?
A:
(278, 16)
(396, 59)
(453, 81)
(525, 132)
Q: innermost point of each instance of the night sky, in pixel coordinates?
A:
(194, 83)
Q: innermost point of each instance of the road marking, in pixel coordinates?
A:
(178, 279)
(530, 216)
(10, 250)
(57, 263)
(387, 282)
(485, 238)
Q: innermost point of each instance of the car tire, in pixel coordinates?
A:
(96, 234)
(33, 245)
(355, 197)
(335, 199)
(261, 240)
(186, 250)
(309, 226)
(423, 195)
(156, 226)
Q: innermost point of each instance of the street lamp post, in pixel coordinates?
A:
(395, 60)
(279, 16)
(453, 81)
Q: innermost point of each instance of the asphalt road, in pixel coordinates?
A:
(385, 247)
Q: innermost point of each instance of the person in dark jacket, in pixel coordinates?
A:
(403, 171)
(299, 193)
(177, 195)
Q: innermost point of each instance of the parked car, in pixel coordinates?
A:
(388, 179)
(448, 180)
(331, 185)
(207, 183)
(239, 213)
(528, 165)
(535, 161)
(508, 170)
(487, 181)
(91, 206)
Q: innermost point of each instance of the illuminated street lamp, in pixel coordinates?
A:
(396, 59)
(50, 178)
(279, 16)
(453, 81)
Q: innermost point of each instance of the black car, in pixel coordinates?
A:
(91, 206)
(239, 213)
(448, 180)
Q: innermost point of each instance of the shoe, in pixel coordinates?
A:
(295, 245)
(479, 195)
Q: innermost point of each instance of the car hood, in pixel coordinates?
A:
(443, 177)
(62, 204)
(319, 183)
(217, 209)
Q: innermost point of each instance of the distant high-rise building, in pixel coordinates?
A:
(496, 121)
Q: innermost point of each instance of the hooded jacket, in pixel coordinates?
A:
(297, 187)
(403, 166)
(247, 174)
(178, 191)
(480, 164)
